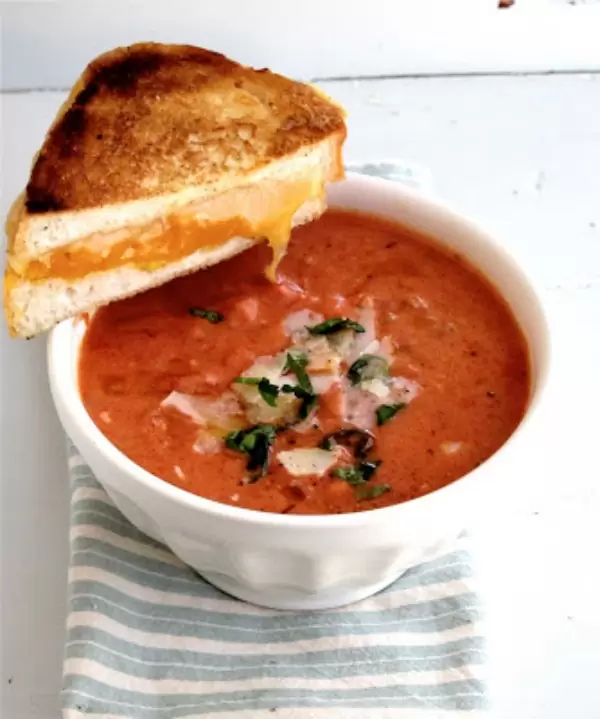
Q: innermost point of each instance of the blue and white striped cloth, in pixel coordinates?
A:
(147, 638)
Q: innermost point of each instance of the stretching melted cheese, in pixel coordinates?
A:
(265, 210)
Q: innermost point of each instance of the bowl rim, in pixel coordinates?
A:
(64, 387)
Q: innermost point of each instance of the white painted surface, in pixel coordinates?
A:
(520, 154)
(48, 43)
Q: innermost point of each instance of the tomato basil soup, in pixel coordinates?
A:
(379, 368)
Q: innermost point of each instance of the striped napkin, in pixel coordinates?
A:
(147, 638)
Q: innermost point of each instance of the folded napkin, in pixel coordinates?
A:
(147, 638)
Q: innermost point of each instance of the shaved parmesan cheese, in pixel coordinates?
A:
(185, 404)
(213, 411)
(309, 461)
(378, 387)
(257, 410)
(323, 382)
(321, 357)
(364, 342)
(207, 443)
(341, 342)
(215, 415)
(311, 422)
(269, 367)
(295, 324)
(360, 407)
(371, 349)
(363, 400)
(403, 389)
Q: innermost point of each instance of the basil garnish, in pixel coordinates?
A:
(367, 367)
(368, 469)
(387, 411)
(335, 324)
(297, 364)
(357, 440)
(309, 399)
(211, 315)
(256, 442)
(352, 475)
(268, 391)
(360, 474)
(371, 491)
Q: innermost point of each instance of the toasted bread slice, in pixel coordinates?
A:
(163, 160)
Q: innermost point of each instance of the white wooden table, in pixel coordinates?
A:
(522, 154)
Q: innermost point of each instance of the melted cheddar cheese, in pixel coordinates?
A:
(265, 210)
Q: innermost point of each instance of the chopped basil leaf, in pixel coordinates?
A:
(297, 363)
(211, 315)
(371, 491)
(387, 411)
(256, 442)
(360, 474)
(295, 360)
(356, 440)
(335, 324)
(309, 399)
(367, 367)
(352, 475)
(268, 391)
(309, 402)
(368, 469)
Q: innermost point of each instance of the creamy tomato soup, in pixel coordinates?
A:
(379, 368)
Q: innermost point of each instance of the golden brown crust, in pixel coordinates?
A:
(151, 119)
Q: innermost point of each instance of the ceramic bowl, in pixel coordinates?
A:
(318, 562)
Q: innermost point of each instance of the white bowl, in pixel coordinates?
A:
(316, 562)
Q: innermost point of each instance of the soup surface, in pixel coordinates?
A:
(381, 367)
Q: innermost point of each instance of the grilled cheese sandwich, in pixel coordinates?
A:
(166, 159)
